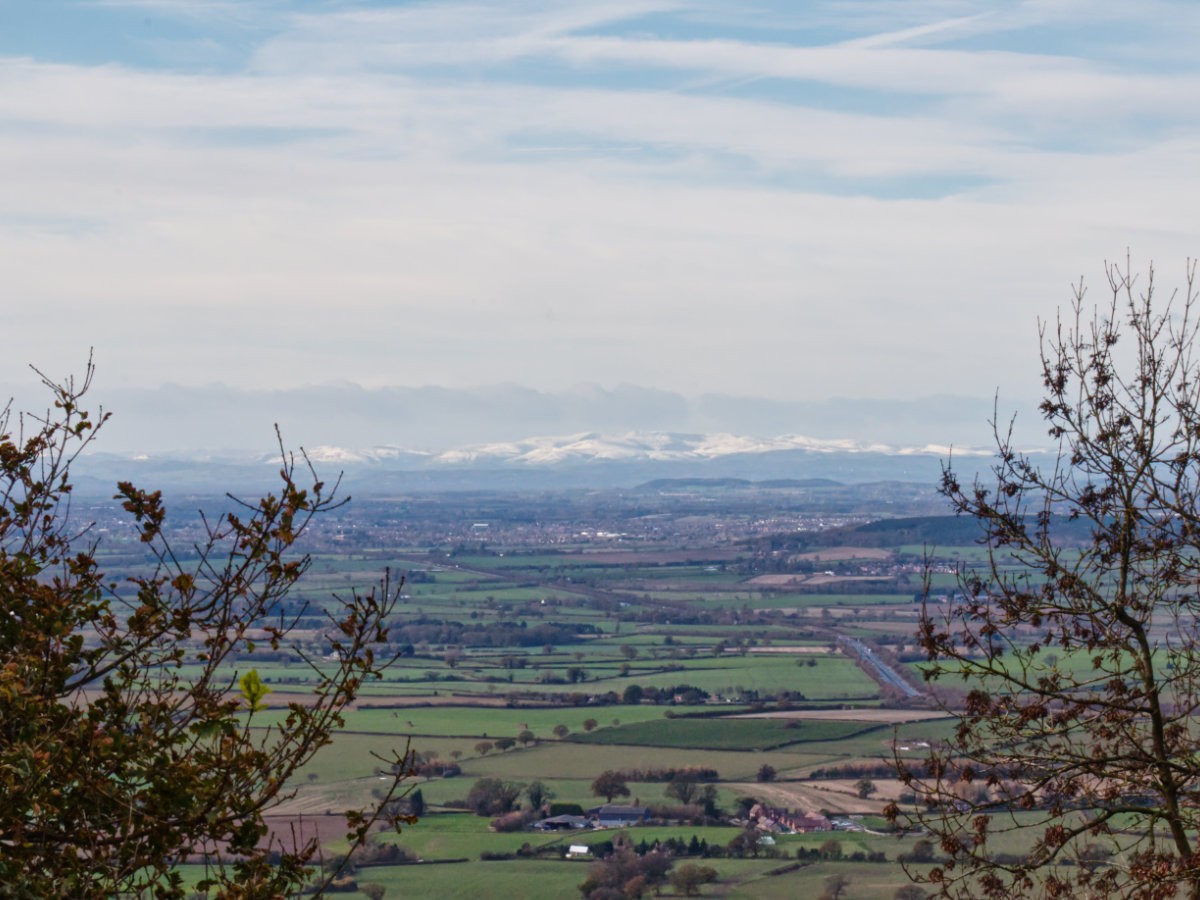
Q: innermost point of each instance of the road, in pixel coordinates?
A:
(869, 660)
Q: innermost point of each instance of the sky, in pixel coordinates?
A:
(789, 201)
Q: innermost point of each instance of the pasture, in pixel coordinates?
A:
(524, 665)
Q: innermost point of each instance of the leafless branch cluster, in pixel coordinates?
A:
(1074, 769)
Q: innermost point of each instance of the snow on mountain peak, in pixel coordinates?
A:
(584, 447)
(664, 446)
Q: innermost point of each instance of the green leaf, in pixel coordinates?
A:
(253, 690)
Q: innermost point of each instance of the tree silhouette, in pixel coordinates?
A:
(609, 785)
(1077, 641)
(123, 748)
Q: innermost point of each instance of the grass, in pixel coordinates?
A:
(480, 722)
(867, 882)
(569, 759)
(455, 835)
(726, 734)
(555, 879)
(801, 601)
(832, 678)
(506, 880)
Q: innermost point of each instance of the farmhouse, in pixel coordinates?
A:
(614, 816)
(771, 818)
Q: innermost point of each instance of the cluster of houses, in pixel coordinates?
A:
(763, 817)
(772, 818)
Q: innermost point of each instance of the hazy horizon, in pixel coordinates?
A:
(433, 418)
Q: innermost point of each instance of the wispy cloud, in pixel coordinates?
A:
(675, 194)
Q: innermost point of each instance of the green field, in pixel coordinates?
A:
(726, 734)
(585, 761)
(674, 627)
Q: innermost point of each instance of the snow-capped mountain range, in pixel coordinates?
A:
(630, 447)
(581, 460)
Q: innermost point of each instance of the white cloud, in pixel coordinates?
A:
(400, 195)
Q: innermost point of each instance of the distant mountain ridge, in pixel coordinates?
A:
(588, 447)
(581, 460)
(162, 418)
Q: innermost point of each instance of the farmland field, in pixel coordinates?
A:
(726, 734)
(542, 659)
